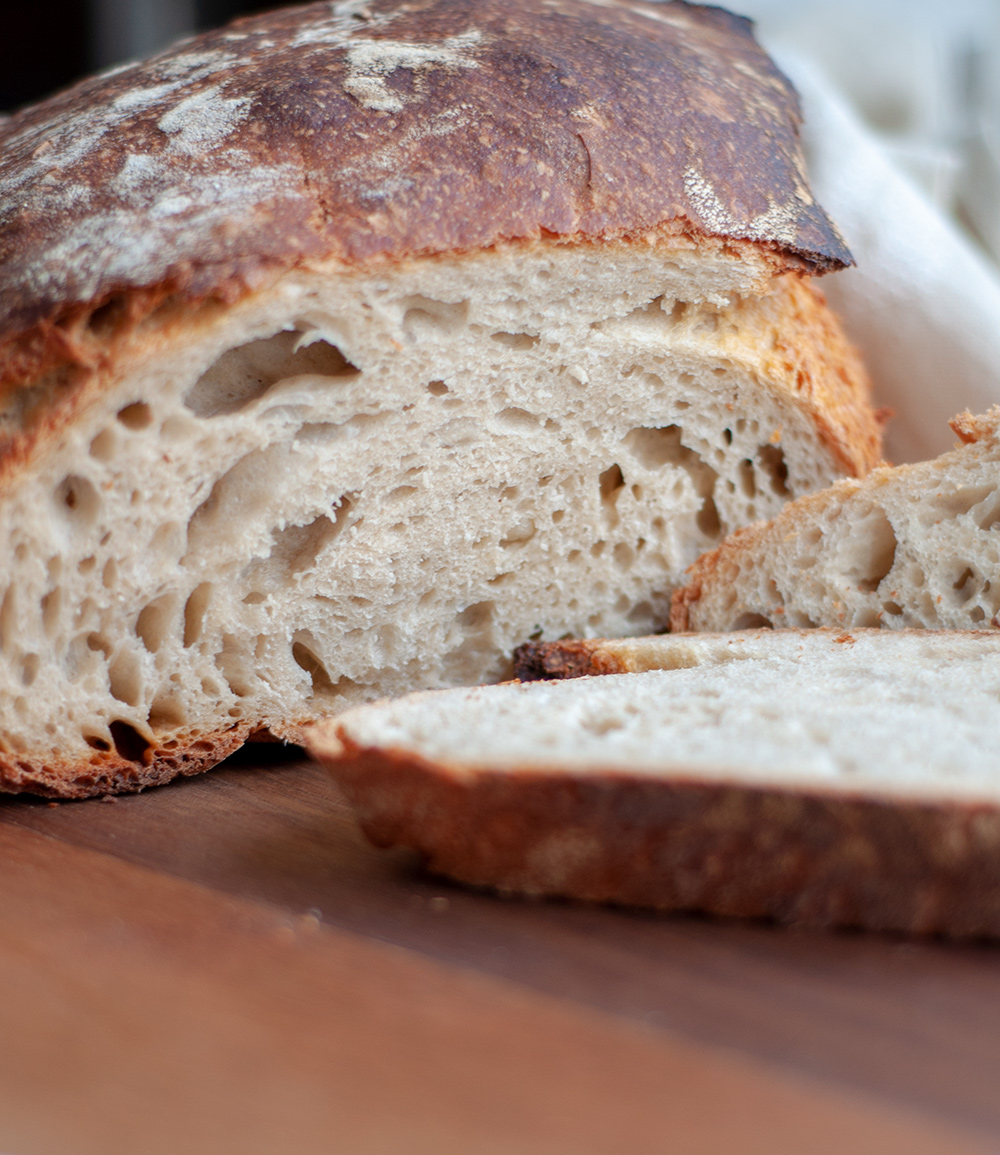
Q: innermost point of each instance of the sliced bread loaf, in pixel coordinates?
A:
(914, 546)
(807, 776)
(344, 348)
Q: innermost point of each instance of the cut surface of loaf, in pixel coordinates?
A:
(808, 776)
(914, 546)
(292, 422)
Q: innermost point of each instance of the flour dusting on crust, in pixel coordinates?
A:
(371, 61)
(350, 130)
(778, 222)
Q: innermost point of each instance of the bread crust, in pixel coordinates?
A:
(131, 766)
(373, 131)
(801, 857)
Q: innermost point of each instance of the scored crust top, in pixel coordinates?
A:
(370, 128)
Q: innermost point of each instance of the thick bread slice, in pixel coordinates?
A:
(807, 776)
(346, 347)
(914, 546)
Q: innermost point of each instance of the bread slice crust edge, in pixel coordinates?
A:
(801, 857)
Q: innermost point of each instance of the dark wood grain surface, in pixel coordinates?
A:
(224, 964)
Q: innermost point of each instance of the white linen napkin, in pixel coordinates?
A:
(923, 304)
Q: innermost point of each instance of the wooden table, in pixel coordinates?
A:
(224, 965)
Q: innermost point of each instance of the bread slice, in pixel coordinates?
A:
(811, 777)
(343, 348)
(914, 546)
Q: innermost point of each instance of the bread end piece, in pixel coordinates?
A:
(549, 661)
(682, 845)
(910, 547)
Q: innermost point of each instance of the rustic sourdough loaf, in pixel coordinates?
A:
(809, 776)
(345, 347)
(917, 545)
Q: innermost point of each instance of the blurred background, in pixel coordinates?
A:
(923, 74)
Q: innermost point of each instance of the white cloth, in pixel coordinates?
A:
(923, 304)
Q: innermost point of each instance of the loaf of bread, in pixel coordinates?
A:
(814, 777)
(345, 347)
(914, 546)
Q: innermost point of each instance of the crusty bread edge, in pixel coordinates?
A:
(682, 843)
(126, 769)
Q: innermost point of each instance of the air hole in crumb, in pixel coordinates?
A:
(136, 416)
(558, 515)
(519, 534)
(990, 518)
(976, 614)
(516, 420)
(400, 493)
(772, 462)
(154, 622)
(963, 580)
(603, 725)
(129, 743)
(475, 626)
(870, 552)
(623, 555)
(423, 316)
(105, 318)
(29, 668)
(125, 678)
(195, 609)
(640, 614)
(102, 447)
(707, 518)
(78, 499)
(437, 388)
(727, 436)
(748, 480)
(233, 662)
(51, 611)
(895, 610)
(304, 648)
(97, 743)
(295, 549)
(520, 342)
(244, 374)
(750, 621)
(166, 713)
(611, 482)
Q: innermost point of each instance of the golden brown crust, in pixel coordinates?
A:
(132, 764)
(366, 131)
(972, 427)
(673, 844)
(796, 344)
(716, 562)
(551, 661)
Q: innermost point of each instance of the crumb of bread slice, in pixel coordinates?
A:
(914, 546)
